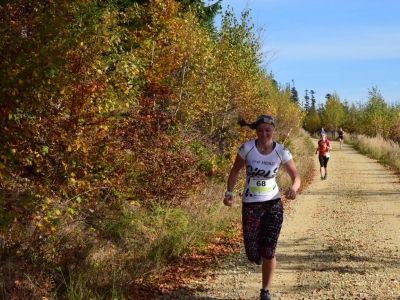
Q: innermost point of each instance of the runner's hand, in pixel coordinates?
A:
(228, 200)
(290, 194)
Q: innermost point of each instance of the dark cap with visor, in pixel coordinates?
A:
(264, 120)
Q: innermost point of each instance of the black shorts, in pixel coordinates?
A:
(323, 161)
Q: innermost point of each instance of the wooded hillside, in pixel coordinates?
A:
(115, 116)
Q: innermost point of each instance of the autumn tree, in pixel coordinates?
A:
(394, 117)
(375, 115)
(112, 110)
(333, 114)
(312, 121)
(353, 119)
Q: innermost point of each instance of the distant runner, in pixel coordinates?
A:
(341, 137)
(324, 145)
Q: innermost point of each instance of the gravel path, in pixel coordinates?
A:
(340, 241)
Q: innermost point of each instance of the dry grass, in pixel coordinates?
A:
(143, 240)
(302, 150)
(108, 255)
(385, 151)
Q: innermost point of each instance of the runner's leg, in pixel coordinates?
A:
(268, 271)
(322, 165)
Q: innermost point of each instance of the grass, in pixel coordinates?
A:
(107, 256)
(157, 235)
(385, 151)
(143, 240)
(138, 245)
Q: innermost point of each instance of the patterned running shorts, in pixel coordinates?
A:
(262, 223)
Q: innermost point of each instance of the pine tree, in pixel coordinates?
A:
(294, 96)
(206, 13)
(312, 99)
(306, 101)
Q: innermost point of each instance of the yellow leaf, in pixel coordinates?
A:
(10, 116)
(57, 211)
(2, 166)
(69, 148)
(48, 200)
(62, 92)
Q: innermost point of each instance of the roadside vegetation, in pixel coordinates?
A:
(384, 150)
(118, 128)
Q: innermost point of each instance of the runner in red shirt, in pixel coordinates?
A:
(324, 145)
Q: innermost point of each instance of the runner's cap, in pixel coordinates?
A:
(264, 120)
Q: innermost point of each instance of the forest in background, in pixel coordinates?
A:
(372, 118)
(118, 126)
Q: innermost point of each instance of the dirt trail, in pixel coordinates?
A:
(341, 240)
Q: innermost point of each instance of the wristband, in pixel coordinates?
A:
(227, 193)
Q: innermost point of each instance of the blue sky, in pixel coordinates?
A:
(342, 46)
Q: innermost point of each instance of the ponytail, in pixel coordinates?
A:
(243, 123)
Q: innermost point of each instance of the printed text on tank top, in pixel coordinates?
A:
(261, 171)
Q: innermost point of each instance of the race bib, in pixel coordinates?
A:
(261, 186)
